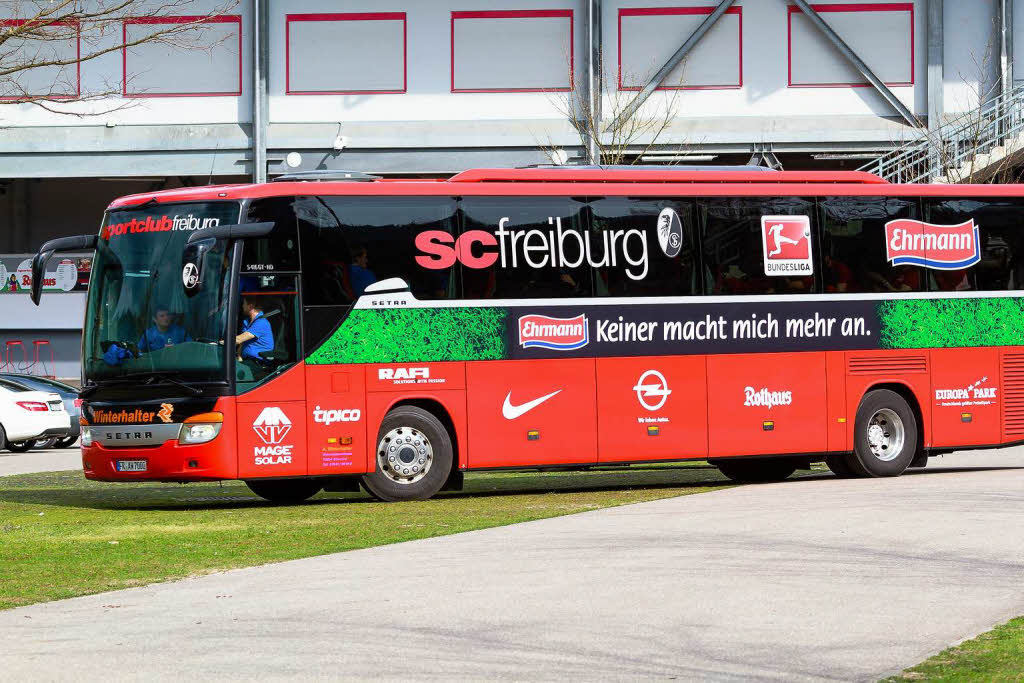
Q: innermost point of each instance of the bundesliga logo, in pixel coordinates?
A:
(787, 245)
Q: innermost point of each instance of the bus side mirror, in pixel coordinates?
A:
(193, 258)
(76, 243)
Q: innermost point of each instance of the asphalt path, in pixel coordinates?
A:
(811, 579)
(53, 460)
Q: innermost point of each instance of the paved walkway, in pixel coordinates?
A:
(54, 460)
(820, 579)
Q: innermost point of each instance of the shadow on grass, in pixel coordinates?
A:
(71, 489)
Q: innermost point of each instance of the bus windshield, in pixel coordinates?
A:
(138, 320)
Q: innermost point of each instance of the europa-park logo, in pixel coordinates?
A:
(940, 247)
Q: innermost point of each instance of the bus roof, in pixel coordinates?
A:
(581, 181)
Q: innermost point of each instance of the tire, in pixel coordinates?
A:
(66, 442)
(21, 446)
(3, 438)
(840, 466)
(755, 471)
(285, 491)
(43, 444)
(415, 469)
(884, 435)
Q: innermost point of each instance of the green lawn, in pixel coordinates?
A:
(994, 656)
(62, 536)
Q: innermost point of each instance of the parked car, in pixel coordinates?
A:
(27, 415)
(68, 394)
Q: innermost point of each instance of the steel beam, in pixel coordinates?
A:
(1005, 23)
(592, 82)
(857, 62)
(260, 61)
(936, 109)
(672, 63)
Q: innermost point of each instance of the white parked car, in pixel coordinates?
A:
(28, 415)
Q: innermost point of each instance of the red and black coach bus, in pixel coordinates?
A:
(551, 317)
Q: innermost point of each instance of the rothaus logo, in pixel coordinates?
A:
(559, 334)
(555, 247)
(327, 417)
(765, 398)
(272, 426)
(940, 247)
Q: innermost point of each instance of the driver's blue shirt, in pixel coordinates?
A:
(259, 327)
(154, 340)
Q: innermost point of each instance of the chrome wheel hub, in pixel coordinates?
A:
(404, 455)
(886, 435)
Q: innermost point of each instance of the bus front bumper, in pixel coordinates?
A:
(168, 462)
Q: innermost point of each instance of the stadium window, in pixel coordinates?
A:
(534, 248)
(1000, 243)
(736, 244)
(665, 229)
(853, 245)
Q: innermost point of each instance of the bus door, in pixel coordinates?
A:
(652, 408)
(531, 412)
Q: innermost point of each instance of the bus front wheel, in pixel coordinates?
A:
(413, 457)
(755, 471)
(284, 491)
(885, 435)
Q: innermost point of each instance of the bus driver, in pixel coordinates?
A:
(256, 335)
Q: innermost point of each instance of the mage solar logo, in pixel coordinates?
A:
(939, 247)
(272, 426)
(559, 334)
(787, 245)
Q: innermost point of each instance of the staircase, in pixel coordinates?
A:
(973, 148)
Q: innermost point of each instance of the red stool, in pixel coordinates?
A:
(36, 345)
(9, 347)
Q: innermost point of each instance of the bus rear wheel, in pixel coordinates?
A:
(413, 457)
(885, 435)
(755, 471)
(285, 491)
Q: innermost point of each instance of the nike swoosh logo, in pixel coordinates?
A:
(511, 412)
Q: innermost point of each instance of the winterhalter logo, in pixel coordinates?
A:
(559, 334)
(939, 247)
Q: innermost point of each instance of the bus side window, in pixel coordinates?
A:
(279, 251)
(853, 245)
(524, 247)
(1000, 242)
(733, 241)
(659, 242)
(348, 243)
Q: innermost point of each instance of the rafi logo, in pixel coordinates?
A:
(556, 247)
(327, 417)
(787, 245)
(940, 247)
(652, 390)
(765, 398)
(670, 232)
(559, 334)
(272, 426)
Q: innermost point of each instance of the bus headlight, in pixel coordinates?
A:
(86, 437)
(201, 428)
(198, 433)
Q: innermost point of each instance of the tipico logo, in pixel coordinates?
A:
(272, 426)
(560, 334)
(940, 247)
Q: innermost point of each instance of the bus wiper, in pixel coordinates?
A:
(132, 376)
(167, 378)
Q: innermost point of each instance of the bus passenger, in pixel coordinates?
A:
(359, 274)
(256, 335)
(163, 332)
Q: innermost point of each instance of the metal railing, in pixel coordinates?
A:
(950, 153)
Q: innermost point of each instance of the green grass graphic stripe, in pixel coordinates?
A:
(951, 323)
(407, 335)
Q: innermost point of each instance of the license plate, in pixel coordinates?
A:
(131, 465)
